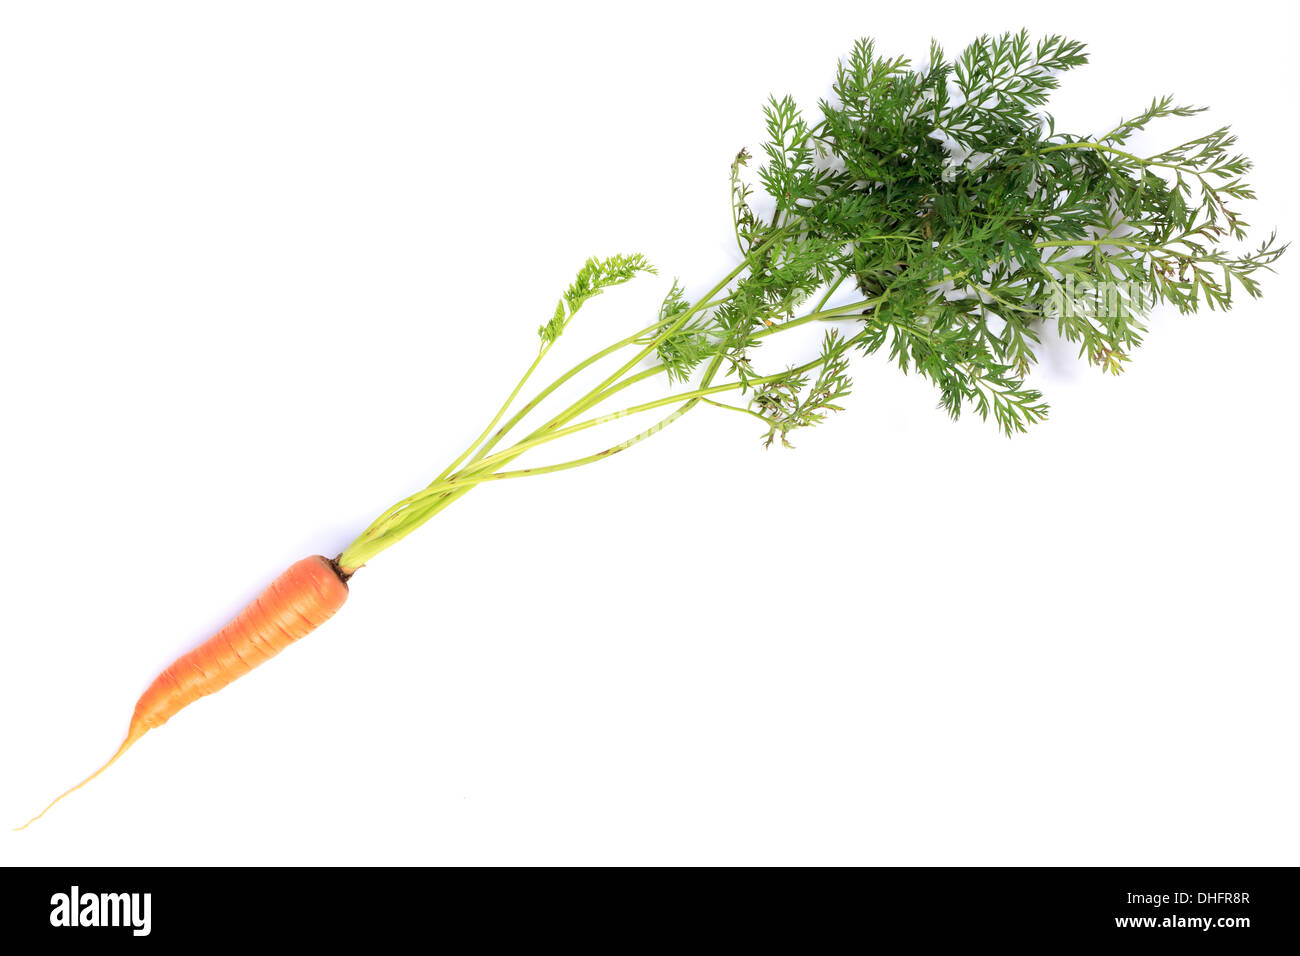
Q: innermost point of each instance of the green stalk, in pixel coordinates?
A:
(412, 512)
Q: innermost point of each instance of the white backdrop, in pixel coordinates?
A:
(268, 266)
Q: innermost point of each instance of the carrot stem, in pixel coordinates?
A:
(470, 470)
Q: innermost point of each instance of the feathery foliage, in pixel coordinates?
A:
(953, 227)
(970, 225)
(595, 276)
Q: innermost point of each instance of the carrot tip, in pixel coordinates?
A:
(134, 734)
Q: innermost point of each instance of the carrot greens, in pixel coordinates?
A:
(949, 223)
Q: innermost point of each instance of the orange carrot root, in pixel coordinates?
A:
(297, 602)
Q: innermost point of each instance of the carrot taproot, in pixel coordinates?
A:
(296, 603)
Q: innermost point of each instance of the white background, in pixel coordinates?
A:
(267, 267)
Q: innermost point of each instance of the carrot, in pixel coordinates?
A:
(824, 230)
(297, 602)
